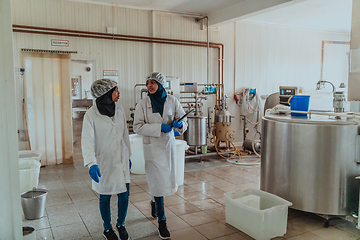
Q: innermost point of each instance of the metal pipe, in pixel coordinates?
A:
(142, 91)
(201, 84)
(222, 69)
(234, 55)
(219, 80)
(182, 14)
(208, 53)
(135, 94)
(323, 82)
(196, 104)
(190, 102)
(110, 35)
(193, 97)
(209, 120)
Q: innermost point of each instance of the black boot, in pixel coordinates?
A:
(163, 231)
(122, 233)
(110, 235)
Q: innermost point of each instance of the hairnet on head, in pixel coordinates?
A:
(102, 86)
(159, 77)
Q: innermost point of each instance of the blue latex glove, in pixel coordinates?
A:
(176, 133)
(94, 172)
(177, 124)
(130, 163)
(165, 128)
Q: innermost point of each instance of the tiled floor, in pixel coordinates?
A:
(196, 211)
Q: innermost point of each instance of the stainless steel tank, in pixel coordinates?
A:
(195, 135)
(223, 116)
(311, 162)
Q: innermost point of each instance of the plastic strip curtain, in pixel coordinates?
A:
(48, 106)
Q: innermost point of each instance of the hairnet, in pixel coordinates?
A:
(102, 86)
(159, 77)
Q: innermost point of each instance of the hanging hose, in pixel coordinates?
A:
(253, 146)
(257, 141)
(236, 151)
(248, 108)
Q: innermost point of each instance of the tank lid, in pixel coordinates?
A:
(196, 117)
(224, 113)
(315, 119)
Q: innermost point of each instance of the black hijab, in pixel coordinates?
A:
(105, 104)
(158, 99)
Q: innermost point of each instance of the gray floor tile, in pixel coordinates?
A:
(56, 185)
(87, 207)
(65, 219)
(72, 231)
(62, 209)
(83, 196)
(75, 186)
(60, 200)
(152, 237)
(141, 228)
(94, 224)
(97, 236)
(44, 234)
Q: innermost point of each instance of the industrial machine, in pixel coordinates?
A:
(339, 96)
(202, 128)
(286, 92)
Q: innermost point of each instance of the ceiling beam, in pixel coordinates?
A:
(245, 9)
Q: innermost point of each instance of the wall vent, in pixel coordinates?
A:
(28, 50)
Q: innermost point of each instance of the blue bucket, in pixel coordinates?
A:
(299, 103)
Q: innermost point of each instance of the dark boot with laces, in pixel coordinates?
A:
(110, 235)
(153, 209)
(122, 233)
(163, 231)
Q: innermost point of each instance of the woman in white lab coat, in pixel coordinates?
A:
(155, 117)
(106, 151)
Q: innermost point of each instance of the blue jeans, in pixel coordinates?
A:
(123, 202)
(160, 210)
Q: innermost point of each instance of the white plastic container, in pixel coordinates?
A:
(30, 154)
(137, 154)
(259, 214)
(29, 174)
(181, 146)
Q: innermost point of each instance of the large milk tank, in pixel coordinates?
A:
(311, 162)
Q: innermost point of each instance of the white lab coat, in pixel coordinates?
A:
(159, 148)
(105, 142)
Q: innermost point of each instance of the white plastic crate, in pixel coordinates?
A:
(35, 154)
(259, 214)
